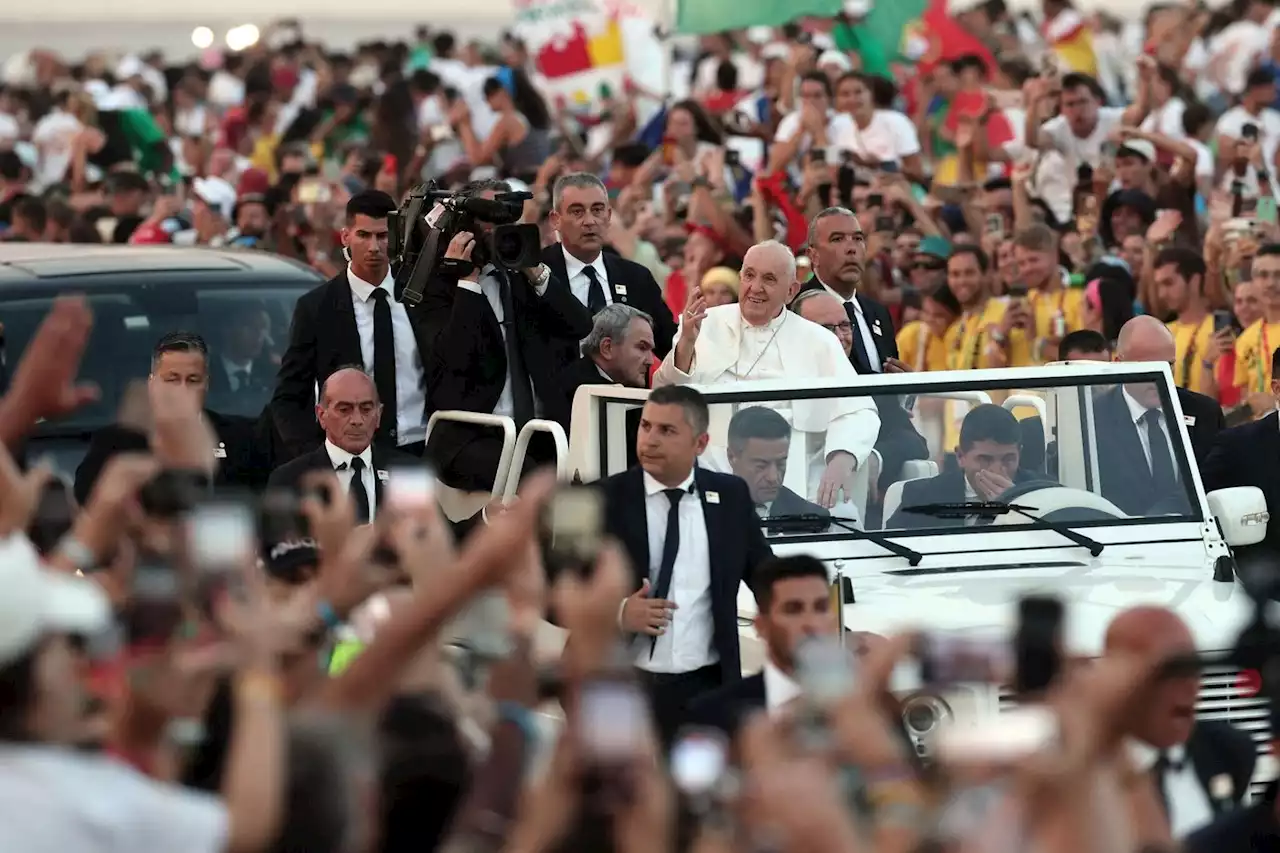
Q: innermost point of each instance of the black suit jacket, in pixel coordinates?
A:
(243, 455)
(733, 530)
(1122, 463)
(322, 339)
(726, 708)
(789, 503)
(289, 475)
(1208, 422)
(466, 363)
(1249, 455)
(560, 408)
(640, 288)
(1216, 748)
(898, 441)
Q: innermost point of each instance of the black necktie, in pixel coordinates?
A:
(861, 358)
(1159, 775)
(359, 497)
(670, 547)
(521, 391)
(242, 380)
(1161, 461)
(384, 362)
(595, 292)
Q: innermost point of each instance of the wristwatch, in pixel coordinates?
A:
(541, 275)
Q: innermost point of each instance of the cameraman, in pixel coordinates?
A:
(498, 340)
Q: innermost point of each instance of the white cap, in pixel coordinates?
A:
(130, 66)
(775, 50)
(759, 34)
(1141, 147)
(216, 193)
(37, 602)
(836, 58)
(857, 8)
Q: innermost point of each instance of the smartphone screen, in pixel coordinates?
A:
(613, 720)
(1038, 643)
(818, 155)
(995, 224)
(221, 536)
(1249, 132)
(410, 489)
(699, 760)
(825, 670)
(1265, 210)
(948, 659)
(1222, 319)
(1010, 736)
(574, 526)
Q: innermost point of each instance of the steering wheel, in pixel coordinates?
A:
(1049, 499)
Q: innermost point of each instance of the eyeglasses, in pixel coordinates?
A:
(844, 328)
(929, 266)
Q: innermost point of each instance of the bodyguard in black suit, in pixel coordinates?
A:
(693, 537)
(354, 319)
(988, 456)
(242, 455)
(759, 443)
(1249, 455)
(499, 340)
(349, 412)
(793, 596)
(596, 278)
(837, 246)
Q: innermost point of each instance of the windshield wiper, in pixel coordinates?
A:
(812, 522)
(994, 508)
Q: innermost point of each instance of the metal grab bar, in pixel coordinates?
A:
(1013, 401)
(522, 448)
(508, 427)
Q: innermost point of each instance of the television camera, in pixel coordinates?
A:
(421, 229)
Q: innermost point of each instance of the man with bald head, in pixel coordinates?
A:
(758, 338)
(1147, 339)
(1199, 769)
(1140, 447)
(349, 412)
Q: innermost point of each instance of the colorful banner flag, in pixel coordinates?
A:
(920, 32)
(713, 16)
(577, 48)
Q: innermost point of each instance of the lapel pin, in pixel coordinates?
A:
(621, 290)
(1221, 788)
(875, 327)
(1189, 420)
(713, 497)
(220, 452)
(383, 476)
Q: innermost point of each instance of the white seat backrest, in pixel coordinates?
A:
(893, 498)
(915, 469)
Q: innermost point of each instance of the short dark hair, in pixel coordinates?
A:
(17, 696)
(818, 77)
(984, 263)
(32, 211)
(179, 342)
(374, 204)
(768, 573)
(757, 422)
(943, 296)
(1076, 80)
(1188, 262)
(1081, 340)
(1267, 249)
(693, 403)
(989, 422)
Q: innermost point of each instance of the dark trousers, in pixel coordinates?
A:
(671, 693)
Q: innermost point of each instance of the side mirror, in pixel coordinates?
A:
(1241, 511)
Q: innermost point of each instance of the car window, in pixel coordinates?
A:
(245, 327)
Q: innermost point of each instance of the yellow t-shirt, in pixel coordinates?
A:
(921, 348)
(1046, 307)
(968, 345)
(1253, 357)
(1193, 340)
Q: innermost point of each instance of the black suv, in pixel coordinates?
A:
(241, 302)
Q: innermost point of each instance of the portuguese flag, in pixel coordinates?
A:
(919, 32)
(701, 17)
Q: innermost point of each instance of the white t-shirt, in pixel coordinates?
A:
(54, 800)
(1088, 150)
(890, 137)
(10, 130)
(1238, 47)
(1231, 125)
(840, 134)
(1205, 165)
(53, 136)
(1166, 120)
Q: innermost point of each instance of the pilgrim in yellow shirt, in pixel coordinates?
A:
(1253, 357)
(1193, 341)
(969, 344)
(919, 347)
(1046, 308)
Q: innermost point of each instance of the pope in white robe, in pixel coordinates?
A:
(758, 339)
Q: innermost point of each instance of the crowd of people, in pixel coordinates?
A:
(803, 204)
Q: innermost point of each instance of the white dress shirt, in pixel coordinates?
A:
(340, 457)
(863, 329)
(687, 643)
(779, 688)
(411, 400)
(579, 284)
(1136, 412)
(1189, 806)
(491, 289)
(238, 375)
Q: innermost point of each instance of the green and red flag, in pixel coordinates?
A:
(701, 17)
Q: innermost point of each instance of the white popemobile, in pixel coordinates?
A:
(1066, 538)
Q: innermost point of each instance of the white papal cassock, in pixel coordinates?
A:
(790, 347)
